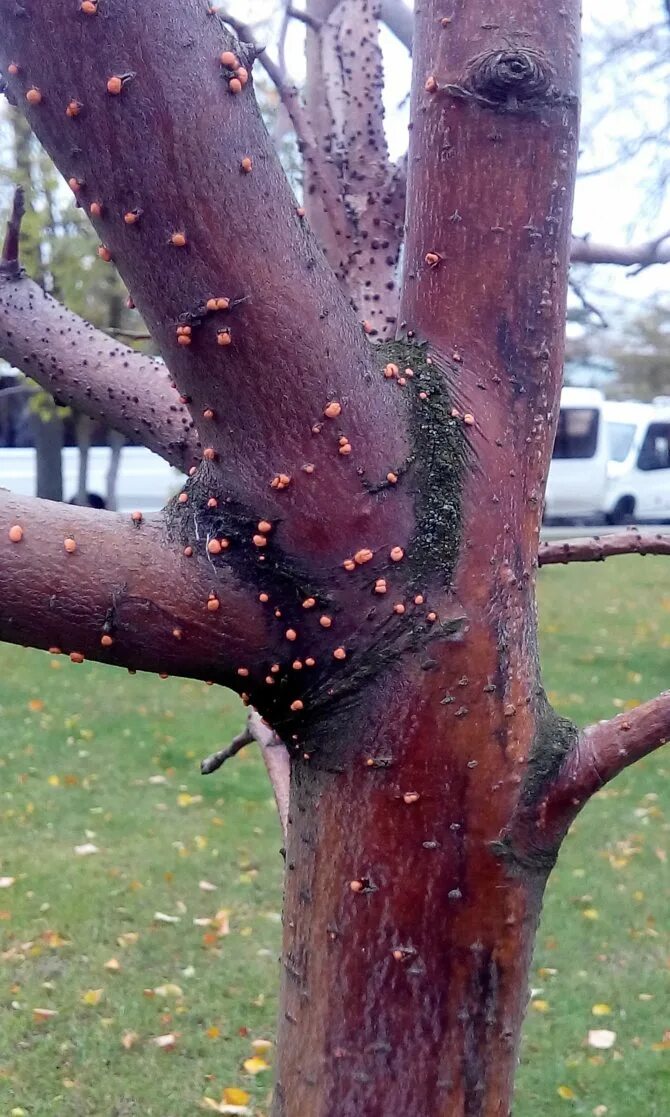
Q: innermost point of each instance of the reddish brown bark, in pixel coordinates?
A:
(386, 578)
(425, 959)
(123, 581)
(599, 754)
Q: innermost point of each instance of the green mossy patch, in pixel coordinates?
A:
(555, 737)
(438, 461)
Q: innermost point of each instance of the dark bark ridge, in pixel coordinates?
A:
(333, 630)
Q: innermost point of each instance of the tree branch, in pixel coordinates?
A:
(363, 235)
(593, 758)
(275, 758)
(601, 753)
(210, 214)
(115, 588)
(9, 261)
(324, 172)
(657, 251)
(400, 21)
(487, 297)
(354, 72)
(599, 547)
(331, 224)
(88, 370)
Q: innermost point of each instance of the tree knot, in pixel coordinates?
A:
(516, 73)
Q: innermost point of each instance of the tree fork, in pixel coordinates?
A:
(196, 264)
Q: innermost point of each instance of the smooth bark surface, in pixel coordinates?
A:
(113, 588)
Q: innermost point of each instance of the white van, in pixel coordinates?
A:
(638, 473)
(144, 482)
(578, 471)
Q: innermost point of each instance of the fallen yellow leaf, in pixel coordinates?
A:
(566, 1093)
(601, 1010)
(184, 799)
(255, 1065)
(591, 913)
(540, 1006)
(92, 996)
(53, 939)
(221, 922)
(113, 965)
(233, 1095)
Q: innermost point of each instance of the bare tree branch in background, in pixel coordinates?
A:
(599, 547)
(624, 61)
(84, 368)
(656, 251)
(399, 19)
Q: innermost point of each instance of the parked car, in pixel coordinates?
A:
(638, 472)
(144, 481)
(577, 479)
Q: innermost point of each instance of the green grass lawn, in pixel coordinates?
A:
(91, 757)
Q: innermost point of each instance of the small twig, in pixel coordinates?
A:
(654, 246)
(304, 17)
(586, 251)
(281, 40)
(587, 305)
(212, 763)
(598, 548)
(132, 334)
(275, 758)
(9, 261)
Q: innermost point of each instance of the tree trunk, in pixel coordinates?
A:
(356, 550)
(410, 908)
(48, 439)
(407, 938)
(84, 431)
(116, 444)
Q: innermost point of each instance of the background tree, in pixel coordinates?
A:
(641, 352)
(58, 250)
(356, 545)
